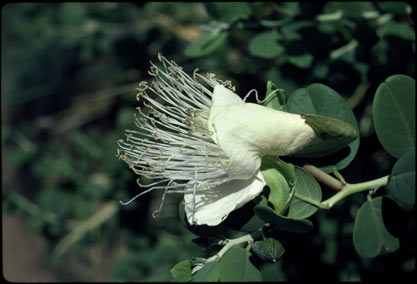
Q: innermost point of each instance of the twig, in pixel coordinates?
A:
(228, 244)
(324, 177)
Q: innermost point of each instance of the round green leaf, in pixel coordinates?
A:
(308, 188)
(292, 30)
(279, 176)
(232, 11)
(265, 45)
(269, 250)
(394, 114)
(402, 184)
(279, 188)
(370, 237)
(399, 29)
(303, 61)
(282, 222)
(273, 272)
(322, 100)
(393, 7)
(350, 9)
(181, 272)
(235, 266)
(209, 273)
(207, 44)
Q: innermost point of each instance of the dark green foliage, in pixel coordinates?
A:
(269, 250)
(370, 237)
(394, 113)
(69, 78)
(403, 179)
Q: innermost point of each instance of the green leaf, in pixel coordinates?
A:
(286, 169)
(394, 7)
(209, 273)
(303, 61)
(279, 188)
(401, 30)
(208, 43)
(228, 11)
(235, 266)
(308, 188)
(265, 45)
(402, 183)
(282, 222)
(394, 114)
(269, 250)
(370, 237)
(291, 31)
(277, 100)
(350, 9)
(181, 272)
(280, 177)
(273, 272)
(328, 127)
(322, 100)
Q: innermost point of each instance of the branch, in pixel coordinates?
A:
(354, 188)
(344, 189)
(228, 244)
(324, 177)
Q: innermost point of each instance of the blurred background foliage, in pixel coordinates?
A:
(68, 80)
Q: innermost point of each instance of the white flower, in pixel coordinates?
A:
(203, 140)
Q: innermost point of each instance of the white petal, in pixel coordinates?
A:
(249, 131)
(221, 98)
(213, 205)
(262, 129)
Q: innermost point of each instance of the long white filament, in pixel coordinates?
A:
(173, 144)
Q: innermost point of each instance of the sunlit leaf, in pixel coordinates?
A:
(280, 177)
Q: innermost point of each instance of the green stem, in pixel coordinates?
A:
(311, 201)
(354, 188)
(228, 244)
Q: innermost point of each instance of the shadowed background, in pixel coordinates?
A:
(68, 91)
